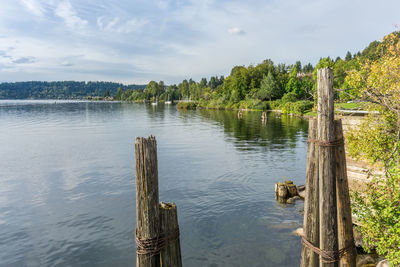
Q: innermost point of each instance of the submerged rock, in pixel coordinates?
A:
(299, 232)
(292, 200)
(301, 188)
(365, 260)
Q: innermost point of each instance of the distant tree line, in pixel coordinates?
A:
(263, 86)
(61, 90)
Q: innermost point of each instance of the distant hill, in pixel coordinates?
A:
(61, 90)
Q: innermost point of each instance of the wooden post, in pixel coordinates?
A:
(327, 168)
(345, 224)
(147, 208)
(291, 188)
(264, 116)
(311, 204)
(281, 191)
(171, 254)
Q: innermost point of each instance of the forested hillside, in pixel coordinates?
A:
(267, 85)
(61, 90)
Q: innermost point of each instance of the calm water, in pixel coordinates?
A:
(67, 184)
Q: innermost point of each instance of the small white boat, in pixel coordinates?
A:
(154, 103)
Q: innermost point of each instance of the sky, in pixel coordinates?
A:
(135, 41)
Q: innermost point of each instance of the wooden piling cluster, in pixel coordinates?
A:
(157, 232)
(328, 235)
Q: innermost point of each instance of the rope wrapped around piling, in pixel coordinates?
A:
(328, 256)
(333, 143)
(153, 246)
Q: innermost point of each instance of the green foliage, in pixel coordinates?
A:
(183, 89)
(153, 89)
(276, 104)
(323, 63)
(348, 56)
(378, 206)
(61, 90)
(254, 104)
(289, 97)
(351, 105)
(294, 85)
(298, 108)
(377, 140)
(268, 88)
(186, 105)
(302, 106)
(308, 68)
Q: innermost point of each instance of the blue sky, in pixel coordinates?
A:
(135, 41)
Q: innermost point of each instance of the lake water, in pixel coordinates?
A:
(67, 183)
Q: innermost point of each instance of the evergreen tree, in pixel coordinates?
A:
(348, 56)
(269, 88)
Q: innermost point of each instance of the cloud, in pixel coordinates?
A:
(4, 54)
(106, 24)
(115, 24)
(65, 11)
(162, 4)
(24, 60)
(66, 63)
(132, 25)
(236, 31)
(134, 40)
(33, 6)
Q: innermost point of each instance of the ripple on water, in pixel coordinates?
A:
(67, 197)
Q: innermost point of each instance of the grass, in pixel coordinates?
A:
(353, 105)
(311, 113)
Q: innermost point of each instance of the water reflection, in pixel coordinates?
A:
(67, 192)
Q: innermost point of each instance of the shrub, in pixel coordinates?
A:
(298, 108)
(378, 206)
(289, 97)
(301, 107)
(276, 104)
(186, 105)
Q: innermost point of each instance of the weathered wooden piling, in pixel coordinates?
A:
(171, 253)
(291, 188)
(327, 168)
(345, 224)
(157, 232)
(311, 204)
(147, 208)
(281, 191)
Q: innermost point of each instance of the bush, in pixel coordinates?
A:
(297, 108)
(301, 107)
(378, 206)
(289, 97)
(276, 104)
(186, 105)
(253, 104)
